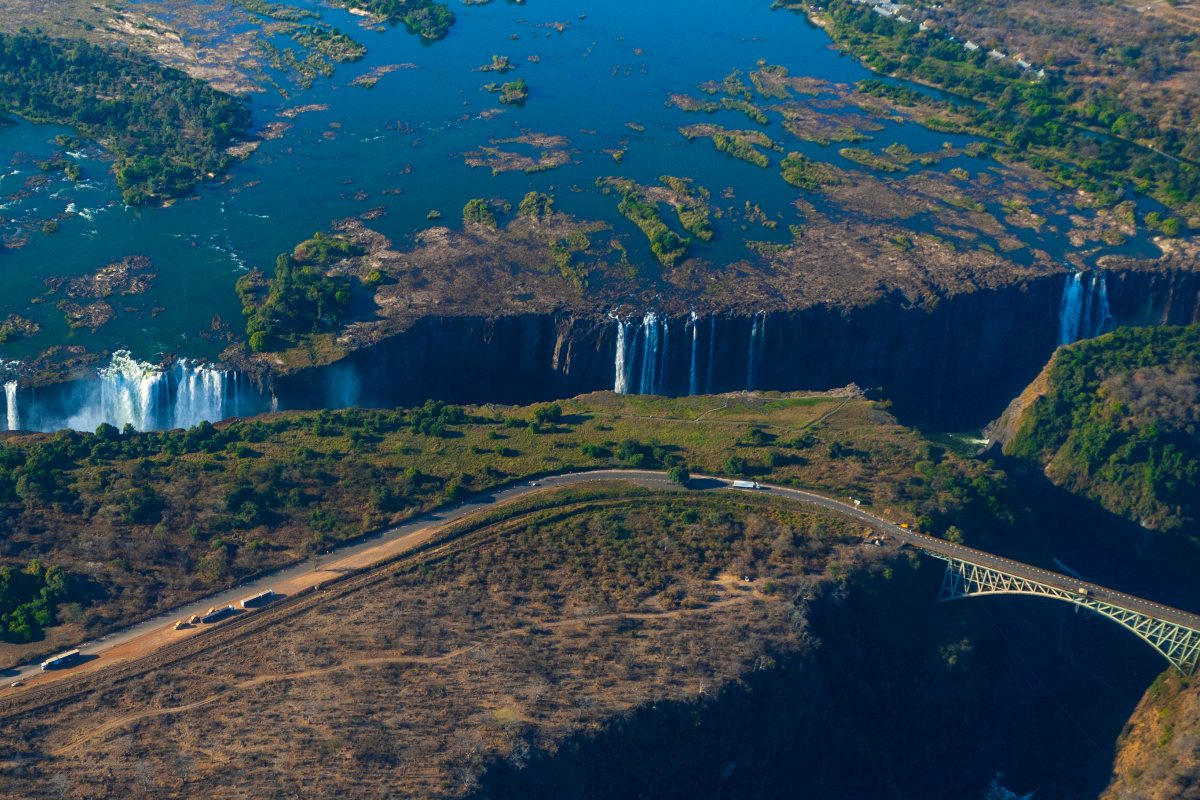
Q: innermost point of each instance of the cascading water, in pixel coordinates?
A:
(1085, 318)
(620, 379)
(150, 397)
(133, 393)
(625, 362)
(649, 353)
(12, 417)
(712, 352)
(664, 367)
(202, 393)
(758, 324)
(1084, 311)
(1102, 318)
(1071, 309)
(693, 377)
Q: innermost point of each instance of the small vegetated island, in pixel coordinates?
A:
(166, 130)
(426, 18)
(301, 298)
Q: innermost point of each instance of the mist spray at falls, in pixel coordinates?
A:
(131, 392)
(1084, 312)
(127, 391)
(12, 418)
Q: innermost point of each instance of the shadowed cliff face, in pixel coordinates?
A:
(952, 362)
(947, 362)
(904, 698)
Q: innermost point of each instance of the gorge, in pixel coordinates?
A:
(956, 361)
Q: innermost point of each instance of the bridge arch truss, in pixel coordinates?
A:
(1176, 642)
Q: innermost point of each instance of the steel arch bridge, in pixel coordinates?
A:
(1177, 642)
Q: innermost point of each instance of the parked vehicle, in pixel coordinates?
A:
(217, 614)
(61, 660)
(260, 599)
(746, 485)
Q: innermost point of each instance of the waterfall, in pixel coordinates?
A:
(693, 381)
(1101, 315)
(712, 351)
(133, 393)
(1070, 310)
(664, 367)
(1085, 318)
(201, 394)
(150, 397)
(620, 379)
(236, 394)
(1084, 311)
(623, 364)
(12, 419)
(649, 353)
(758, 324)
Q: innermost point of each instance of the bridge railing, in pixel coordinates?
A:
(1177, 642)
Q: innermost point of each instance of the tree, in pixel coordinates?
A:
(736, 465)
(536, 205)
(477, 211)
(679, 474)
(549, 414)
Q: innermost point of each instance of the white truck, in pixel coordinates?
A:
(61, 660)
(260, 599)
(216, 614)
(746, 485)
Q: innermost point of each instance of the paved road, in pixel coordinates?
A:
(394, 540)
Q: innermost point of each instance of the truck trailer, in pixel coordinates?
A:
(216, 614)
(61, 660)
(260, 599)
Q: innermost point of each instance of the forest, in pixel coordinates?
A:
(152, 519)
(1120, 424)
(300, 298)
(166, 130)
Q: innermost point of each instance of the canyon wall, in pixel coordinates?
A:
(952, 362)
(949, 362)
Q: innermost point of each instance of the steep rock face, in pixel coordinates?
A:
(954, 361)
(951, 361)
(1158, 755)
(904, 698)
(516, 359)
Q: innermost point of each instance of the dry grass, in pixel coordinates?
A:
(511, 645)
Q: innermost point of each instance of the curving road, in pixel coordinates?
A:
(137, 640)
